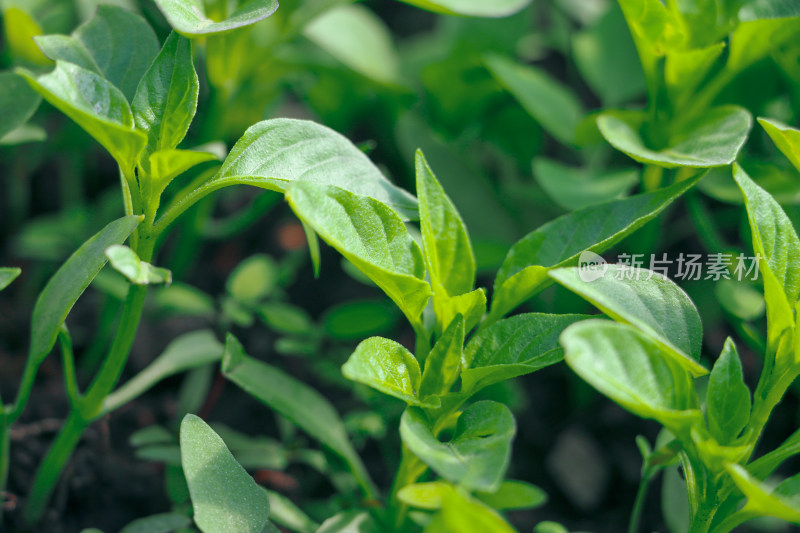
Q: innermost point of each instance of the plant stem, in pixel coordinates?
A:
(638, 504)
(410, 469)
(5, 450)
(90, 405)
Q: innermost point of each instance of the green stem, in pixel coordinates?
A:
(638, 504)
(5, 451)
(652, 177)
(410, 469)
(91, 404)
(50, 469)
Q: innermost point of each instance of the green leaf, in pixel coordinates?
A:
(356, 319)
(189, 18)
(776, 242)
(606, 58)
(294, 400)
(786, 138)
(753, 40)
(685, 70)
(740, 299)
(353, 521)
(448, 251)
(467, 515)
(68, 283)
(427, 495)
(166, 98)
(158, 523)
(727, 397)
(472, 8)
(783, 502)
(514, 495)
(371, 236)
(513, 347)
(443, 363)
(647, 300)
(224, 496)
(560, 242)
(387, 366)
(477, 455)
(254, 278)
(7, 275)
(95, 105)
(359, 39)
(166, 165)
(552, 104)
(287, 318)
(18, 102)
(575, 188)
(472, 306)
(285, 513)
(127, 263)
(115, 44)
(276, 152)
(712, 139)
(188, 351)
(19, 27)
(765, 465)
(631, 368)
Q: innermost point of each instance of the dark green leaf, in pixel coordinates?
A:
(727, 397)
(224, 496)
(7, 275)
(18, 102)
(576, 188)
(477, 456)
(158, 523)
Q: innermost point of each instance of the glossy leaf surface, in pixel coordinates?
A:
(189, 18)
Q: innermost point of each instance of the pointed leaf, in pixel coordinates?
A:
(575, 188)
(467, 515)
(292, 399)
(630, 368)
(783, 502)
(188, 17)
(647, 300)
(560, 242)
(513, 347)
(224, 496)
(427, 495)
(158, 523)
(553, 105)
(7, 275)
(443, 363)
(514, 495)
(371, 236)
(95, 105)
(387, 366)
(786, 138)
(279, 151)
(68, 283)
(448, 251)
(728, 398)
(115, 44)
(166, 165)
(166, 98)
(478, 454)
(711, 140)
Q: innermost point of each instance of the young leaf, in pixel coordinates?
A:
(550, 103)
(158, 523)
(560, 242)
(443, 363)
(115, 44)
(284, 512)
(95, 105)
(647, 300)
(166, 165)
(18, 102)
(786, 138)
(777, 244)
(127, 263)
(353, 521)
(514, 495)
(711, 140)
(471, 8)
(755, 38)
(294, 400)
(783, 502)
(7, 275)
(575, 188)
(224, 496)
(253, 279)
(276, 152)
(371, 236)
(728, 398)
(472, 306)
(630, 368)
(513, 347)
(448, 252)
(166, 98)
(366, 46)
(19, 27)
(188, 17)
(765, 465)
(466, 515)
(68, 283)
(188, 351)
(387, 366)
(477, 456)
